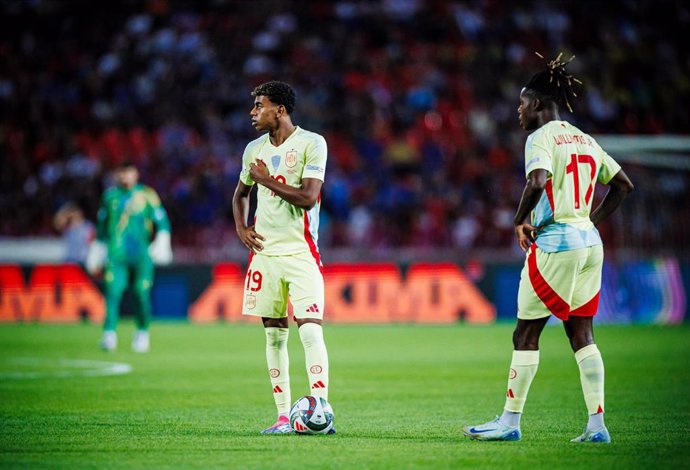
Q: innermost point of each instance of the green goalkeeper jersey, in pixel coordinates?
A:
(126, 220)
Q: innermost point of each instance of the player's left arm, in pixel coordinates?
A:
(536, 182)
(619, 188)
(160, 249)
(159, 215)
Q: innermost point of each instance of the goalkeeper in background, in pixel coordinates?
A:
(126, 218)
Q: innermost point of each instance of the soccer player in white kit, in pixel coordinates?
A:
(562, 272)
(288, 164)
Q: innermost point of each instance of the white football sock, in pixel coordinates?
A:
(279, 367)
(592, 379)
(523, 368)
(316, 358)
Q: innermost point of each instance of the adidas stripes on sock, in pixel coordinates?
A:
(316, 358)
(523, 368)
(279, 367)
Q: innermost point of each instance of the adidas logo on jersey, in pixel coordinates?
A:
(313, 308)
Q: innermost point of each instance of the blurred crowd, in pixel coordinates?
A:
(417, 101)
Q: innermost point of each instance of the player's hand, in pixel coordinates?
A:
(526, 234)
(96, 257)
(251, 239)
(258, 171)
(160, 250)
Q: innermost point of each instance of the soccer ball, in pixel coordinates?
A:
(311, 415)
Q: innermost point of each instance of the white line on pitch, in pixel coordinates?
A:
(64, 368)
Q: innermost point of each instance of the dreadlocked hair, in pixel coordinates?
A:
(554, 83)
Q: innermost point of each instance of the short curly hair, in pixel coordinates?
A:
(278, 92)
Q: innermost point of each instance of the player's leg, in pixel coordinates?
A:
(580, 331)
(142, 282)
(307, 295)
(306, 289)
(315, 355)
(265, 295)
(543, 291)
(523, 368)
(115, 279)
(278, 362)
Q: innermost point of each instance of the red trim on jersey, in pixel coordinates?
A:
(545, 292)
(310, 241)
(549, 194)
(589, 309)
(251, 253)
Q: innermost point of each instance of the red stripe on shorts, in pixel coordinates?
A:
(545, 292)
(589, 309)
(310, 241)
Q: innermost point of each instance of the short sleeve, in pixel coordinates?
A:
(244, 173)
(315, 165)
(536, 154)
(609, 168)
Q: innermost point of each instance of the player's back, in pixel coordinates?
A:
(575, 162)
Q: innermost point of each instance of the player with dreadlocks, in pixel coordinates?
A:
(562, 272)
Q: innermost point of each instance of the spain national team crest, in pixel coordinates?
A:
(250, 303)
(291, 158)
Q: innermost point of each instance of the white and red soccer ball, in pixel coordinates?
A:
(311, 415)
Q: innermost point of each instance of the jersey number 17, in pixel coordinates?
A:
(572, 167)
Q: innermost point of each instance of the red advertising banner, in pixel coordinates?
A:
(54, 293)
(355, 293)
(365, 293)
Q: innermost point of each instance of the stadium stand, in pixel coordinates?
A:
(416, 99)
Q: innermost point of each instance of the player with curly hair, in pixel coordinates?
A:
(288, 165)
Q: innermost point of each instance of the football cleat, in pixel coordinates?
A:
(600, 435)
(109, 341)
(492, 431)
(282, 426)
(141, 343)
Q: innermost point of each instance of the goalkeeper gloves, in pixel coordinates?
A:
(95, 258)
(160, 249)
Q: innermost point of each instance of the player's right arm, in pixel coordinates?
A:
(98, 250)
(240, 212)
(538, 169)
(240, 202)
(102, 221)
(524, 231)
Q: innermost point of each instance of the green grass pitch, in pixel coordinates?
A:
(401, 395)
